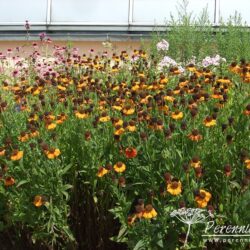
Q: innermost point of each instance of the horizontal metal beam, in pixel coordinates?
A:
(83, 27)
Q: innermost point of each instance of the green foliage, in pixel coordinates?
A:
(191, 35)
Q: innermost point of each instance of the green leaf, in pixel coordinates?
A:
(160, 243)
(95, 199)
(179, 153)
(22, 182)
(139, 245)
(67, 186)
(235, 184)
(221, 207)
(122, 232)
(65, 194)
(66, 169)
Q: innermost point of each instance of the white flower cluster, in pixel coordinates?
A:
(167, 62)
(212, 61)
(162, 45)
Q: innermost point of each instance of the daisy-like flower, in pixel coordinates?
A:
(195, 136)
(141, 74)
(131, 126)
(33, 117)
(217, 95)
(117, 106)
(177, 115)
(9, 181)
(198, 172)
(149, 212)
(16, 155)
(87, 135)
(102, 171)
(174, 187)
(39, 200)
(139, 208)
(50, 125)
(114, 69)
(247, 110)
(130, 152)
(227, 170)
(52, 153)
(119, 130)
(33, 133)
(191, 67)
(2, 151)
(119, 167)
(209, 121)
(163, 79)
(49, 117)
(202, 198)
(235, 68)
(61, 118)
(81, 114)
(247, 162)
(104, 117)
(122, 181)
(159, 125)
(117, 121)
(195, 162)
(128, 110)
(23, 137)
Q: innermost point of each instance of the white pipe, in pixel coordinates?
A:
(130, 12)
(48, 13)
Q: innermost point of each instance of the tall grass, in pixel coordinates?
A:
(197, 36)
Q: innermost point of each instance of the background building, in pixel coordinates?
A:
(97, 20)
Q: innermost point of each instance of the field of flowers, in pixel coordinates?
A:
(98, 149)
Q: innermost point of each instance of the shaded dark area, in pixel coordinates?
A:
(10, 240)
(91, 223)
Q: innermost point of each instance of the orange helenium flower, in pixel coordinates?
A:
(102, 171)
(104, 117)
(247, 162)
(177, 115)
(209, 122)
(195, 136)
(174, 187)
(9, 181)
(38, 201)
(149, 212)
(202, 198)
(16, 155)
(247, 110)
(2, 151)
(195, 162)
(23, 137)
(50, 125)
(130, 152)
(128, 110)
(119, 167)
(52, 153)
(81, 115)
